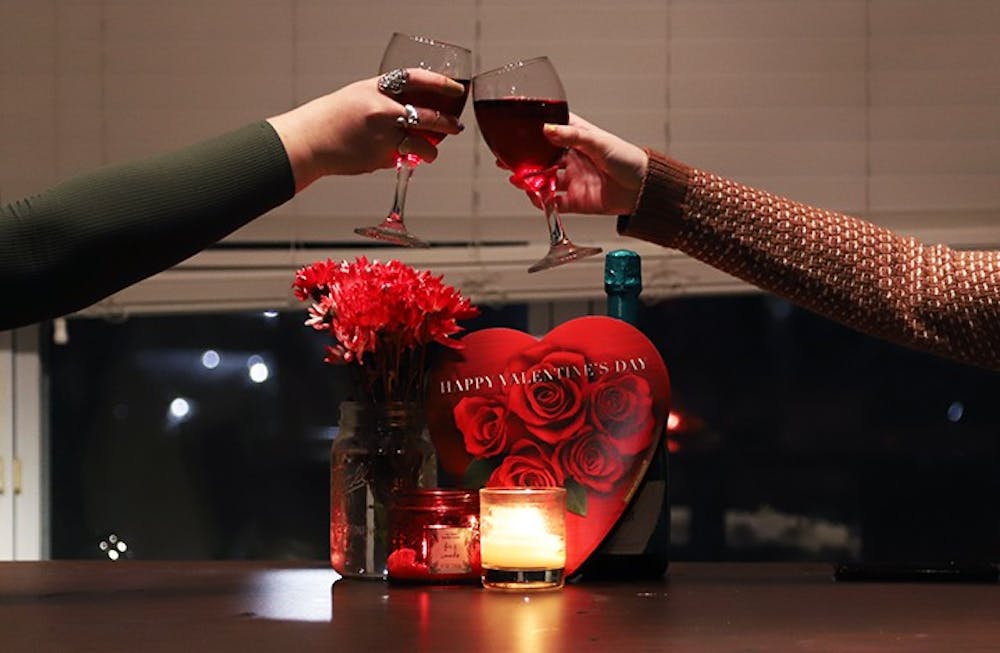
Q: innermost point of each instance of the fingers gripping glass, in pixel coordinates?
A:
(512, 104)
(406, 51)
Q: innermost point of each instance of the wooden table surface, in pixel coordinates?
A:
(253, 606)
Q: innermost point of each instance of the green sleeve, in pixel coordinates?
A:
(94, 234)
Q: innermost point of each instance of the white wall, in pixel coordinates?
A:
(884, 108)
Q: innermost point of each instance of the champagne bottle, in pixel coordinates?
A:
(638, 546)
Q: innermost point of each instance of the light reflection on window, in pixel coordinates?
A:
(259, 372)
(180, 410)
(211, 359)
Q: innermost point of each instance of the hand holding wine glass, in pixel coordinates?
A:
(355, 129)
(407, 52)
(601, 173)
(512, 105)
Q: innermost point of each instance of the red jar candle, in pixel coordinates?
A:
(434, 537)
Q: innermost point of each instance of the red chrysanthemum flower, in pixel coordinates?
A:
(381, 316)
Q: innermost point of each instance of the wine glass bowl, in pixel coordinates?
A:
(511, 128)
(512, 105)
(453, 61)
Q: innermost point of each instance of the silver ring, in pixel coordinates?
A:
(394, 81)
(411, 119)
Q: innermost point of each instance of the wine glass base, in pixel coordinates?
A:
(393, 232)
(563, 253)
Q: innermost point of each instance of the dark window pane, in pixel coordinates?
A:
(183, 460)
(807, 440)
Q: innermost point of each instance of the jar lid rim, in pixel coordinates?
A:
(453, 493)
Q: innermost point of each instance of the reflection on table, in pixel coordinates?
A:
(256, 606)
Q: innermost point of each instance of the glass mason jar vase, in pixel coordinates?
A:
(381, 450)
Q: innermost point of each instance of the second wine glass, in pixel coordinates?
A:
(512, 104)
(408, 51)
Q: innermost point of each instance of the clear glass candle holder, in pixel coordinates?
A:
(522, 536)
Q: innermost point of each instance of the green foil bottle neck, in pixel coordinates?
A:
(622, 284)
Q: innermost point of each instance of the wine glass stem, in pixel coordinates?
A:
(547, 197)
(404, 169)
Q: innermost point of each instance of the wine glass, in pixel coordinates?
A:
(407, 51)
(512, 104)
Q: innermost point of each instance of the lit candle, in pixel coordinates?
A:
(523, 537)
(519, 539)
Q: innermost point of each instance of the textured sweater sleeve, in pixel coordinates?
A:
(94, 234)
(933, 298)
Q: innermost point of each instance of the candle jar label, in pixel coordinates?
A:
(448, 549)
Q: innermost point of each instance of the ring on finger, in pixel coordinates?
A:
(394, 81)
(411, 118)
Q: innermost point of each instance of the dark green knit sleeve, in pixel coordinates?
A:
(94, 234)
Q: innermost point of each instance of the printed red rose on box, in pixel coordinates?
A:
(582, 408)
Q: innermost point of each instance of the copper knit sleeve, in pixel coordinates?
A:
(933, 298)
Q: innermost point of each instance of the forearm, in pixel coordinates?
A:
(97, 233)
(932, 298)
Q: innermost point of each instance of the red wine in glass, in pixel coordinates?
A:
(407, 51)
(512, 105)
(512, 128)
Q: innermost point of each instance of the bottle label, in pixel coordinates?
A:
(448, 549)
(639, 522)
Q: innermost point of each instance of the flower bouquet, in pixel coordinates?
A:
(382, 318)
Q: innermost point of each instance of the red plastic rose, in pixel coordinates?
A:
(546, 389)
(622, 406)
(486, 426)
(527, 465)
(402, 563)
(592, 459)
